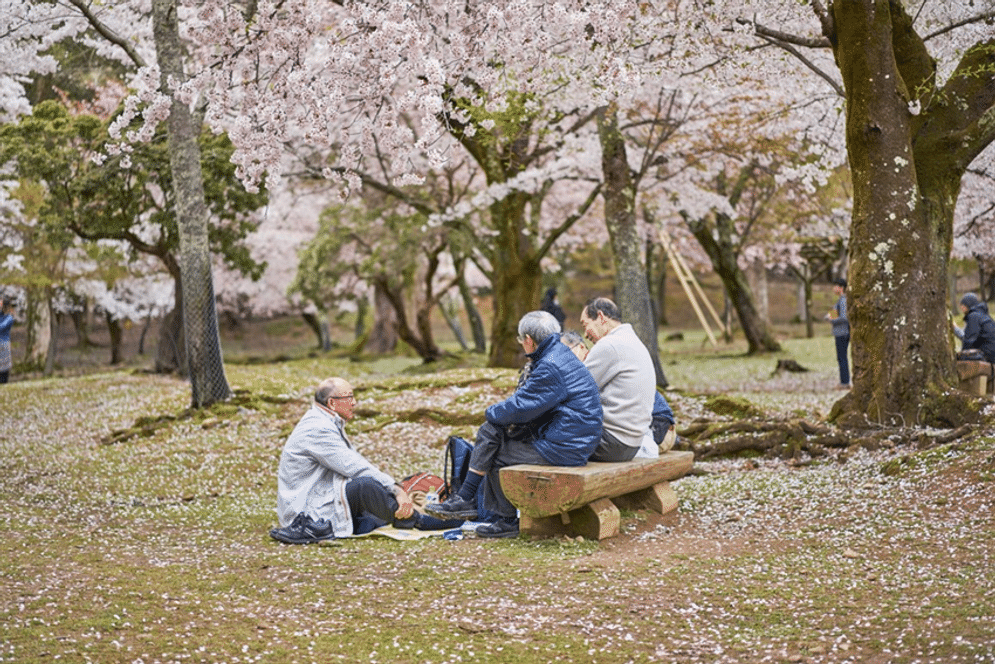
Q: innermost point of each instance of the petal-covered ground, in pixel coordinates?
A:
(146, 541)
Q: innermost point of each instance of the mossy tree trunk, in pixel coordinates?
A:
(200, 323)
(627, 246)
(907, 170)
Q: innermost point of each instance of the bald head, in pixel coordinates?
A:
(331, 387)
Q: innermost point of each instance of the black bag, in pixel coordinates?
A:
(455, 465)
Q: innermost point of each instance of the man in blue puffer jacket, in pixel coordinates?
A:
(554, 418)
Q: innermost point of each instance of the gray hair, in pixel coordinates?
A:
(572, 338)
(540, 325)
(605, 306)
(327, 389)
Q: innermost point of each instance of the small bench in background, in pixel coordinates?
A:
(585, 500)
(976, 377)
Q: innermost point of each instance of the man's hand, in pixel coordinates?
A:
(405, 508)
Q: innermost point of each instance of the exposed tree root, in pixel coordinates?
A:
(794, 439)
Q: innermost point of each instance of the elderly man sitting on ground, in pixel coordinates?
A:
(326, 488)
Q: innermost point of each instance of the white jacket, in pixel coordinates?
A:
(316, 463)
(626, 378)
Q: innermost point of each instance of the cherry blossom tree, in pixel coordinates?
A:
(418, 85)
(974, 227)
(919, 84)
(126, 198)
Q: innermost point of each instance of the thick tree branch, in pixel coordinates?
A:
(569, 221)
(980, 18)
(825, 19)
(818, 71)
(915, 65)
(785, 37)
(787, 42)
(967, 117)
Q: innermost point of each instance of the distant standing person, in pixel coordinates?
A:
(979, 329)
(6, 322)
(552, 305)
(841, 331)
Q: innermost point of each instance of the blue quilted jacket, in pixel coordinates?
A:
(558, 402)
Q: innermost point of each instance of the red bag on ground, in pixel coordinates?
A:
(420, 485)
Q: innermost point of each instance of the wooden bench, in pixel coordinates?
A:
(584, 500)
(976, 377)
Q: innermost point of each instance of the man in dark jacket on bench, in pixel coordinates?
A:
(554, 418)
(979, 330)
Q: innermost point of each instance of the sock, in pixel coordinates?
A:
(468, 490)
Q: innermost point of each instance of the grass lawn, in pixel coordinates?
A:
(152, 546)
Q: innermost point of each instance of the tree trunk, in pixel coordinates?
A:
(757, 278)
(807, 304)
(517, 280)
(170, 351)
(420, 339)
(318, 323)
(450, 311)
(38, 327)
(657, 283)
(53, 336)
(200, 323)
(145, 331)
(114, 327)
(383, 334)
(81, 324)
(907, 171)
(620, 217)
(718, 243)
(473, 315)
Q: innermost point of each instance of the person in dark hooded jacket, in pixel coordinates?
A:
(979, 329)
(552, 305)
(554, 418)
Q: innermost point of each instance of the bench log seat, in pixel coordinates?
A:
(976, 377)
(585, 500)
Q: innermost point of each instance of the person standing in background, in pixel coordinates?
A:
(841, 331)
(6, 322)
(551, 304)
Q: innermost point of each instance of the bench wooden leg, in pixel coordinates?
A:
(976, 385)
(596, 521)
(660, 498)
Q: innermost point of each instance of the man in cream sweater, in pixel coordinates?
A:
(626, 380)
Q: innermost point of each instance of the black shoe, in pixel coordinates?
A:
(500, 528)
(304, 530)
(426, 522)
(453, 508)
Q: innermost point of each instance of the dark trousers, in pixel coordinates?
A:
(372, 505)
(842, 344)
(496, 448)
(612, 449)
(4, 376)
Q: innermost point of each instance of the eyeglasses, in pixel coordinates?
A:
(521, 339)
(345, 396)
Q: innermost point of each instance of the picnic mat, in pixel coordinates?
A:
(401, 534)
(468, 527)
